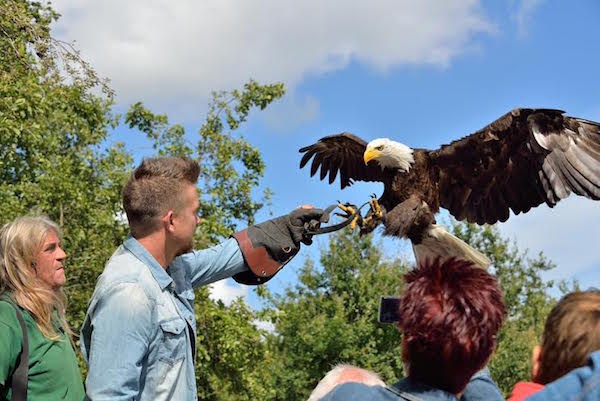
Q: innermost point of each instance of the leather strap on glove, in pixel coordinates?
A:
(268, 246)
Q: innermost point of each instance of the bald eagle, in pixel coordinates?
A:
(524, 158)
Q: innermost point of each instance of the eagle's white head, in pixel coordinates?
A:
(389, 154)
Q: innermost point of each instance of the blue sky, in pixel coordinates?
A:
(423, 73)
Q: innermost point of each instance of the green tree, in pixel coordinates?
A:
(527, 299)
(52, 158)
(231, 168)
(231, 352)
(56, 158)
(330, 317)
(230, 347)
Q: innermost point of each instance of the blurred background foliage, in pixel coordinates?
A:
(57, 158)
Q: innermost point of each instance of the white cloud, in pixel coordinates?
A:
(567, 234)
(524, 13)
(172, 54)
(291, 112)
(227, 291)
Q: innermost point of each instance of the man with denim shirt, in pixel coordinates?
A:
(139, 333)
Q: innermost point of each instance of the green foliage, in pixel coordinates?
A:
(230, 352)
(28, 49)
(55, 121)
(330, 317)
(527, 299)
(230, 348)
(167, 140)
(52, 129)
(231, 168)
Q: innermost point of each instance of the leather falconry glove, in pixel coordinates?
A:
(270, 245)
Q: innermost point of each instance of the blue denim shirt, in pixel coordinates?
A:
(140, 325)
(481, 387)
(581, 384)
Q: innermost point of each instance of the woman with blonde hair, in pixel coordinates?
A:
(37, 360)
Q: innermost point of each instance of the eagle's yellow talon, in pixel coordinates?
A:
(354, 222)
(376, 208)
(348, 209)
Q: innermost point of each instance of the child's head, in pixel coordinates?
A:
(571, 333)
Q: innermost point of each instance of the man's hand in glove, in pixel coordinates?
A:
(303, 218)
(280, 238)
(282, 235)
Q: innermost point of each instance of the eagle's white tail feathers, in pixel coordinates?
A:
(439, 243)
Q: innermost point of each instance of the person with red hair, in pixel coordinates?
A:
(450, 314)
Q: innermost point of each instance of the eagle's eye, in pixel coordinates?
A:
(380, 147)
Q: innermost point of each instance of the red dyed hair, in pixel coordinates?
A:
(450, 315)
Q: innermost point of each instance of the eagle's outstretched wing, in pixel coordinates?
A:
(525, 158)
(343, 153)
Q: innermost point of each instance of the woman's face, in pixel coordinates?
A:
(49, 263)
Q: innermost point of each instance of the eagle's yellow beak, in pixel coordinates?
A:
(370, 154)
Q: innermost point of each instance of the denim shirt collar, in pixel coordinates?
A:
(423, 391)
(158, 272)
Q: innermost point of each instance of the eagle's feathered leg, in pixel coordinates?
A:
(409, 219)
(413, 219)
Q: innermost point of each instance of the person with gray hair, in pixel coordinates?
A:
(341, 374)
(37, 361)
(139, 333)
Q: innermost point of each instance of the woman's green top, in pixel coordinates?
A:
(53, 370)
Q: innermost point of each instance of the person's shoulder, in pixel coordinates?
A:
(123, 267)
(353, 391)
(8, 314)
(594, 361)
(9, 322)
(124, 274)
(522, 390)
(122, 262)
(581, 384)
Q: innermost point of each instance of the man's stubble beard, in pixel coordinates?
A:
(187, 248)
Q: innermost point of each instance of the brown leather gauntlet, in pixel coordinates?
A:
(261, 264)
(268, 246)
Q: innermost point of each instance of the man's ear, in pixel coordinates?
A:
(167, 220)
(536, 363)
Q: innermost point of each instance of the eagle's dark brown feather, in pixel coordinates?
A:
(539, 156)
(524, 158)
(340, 153)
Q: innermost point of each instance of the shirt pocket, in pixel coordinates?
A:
(173, 344)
